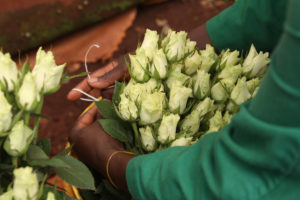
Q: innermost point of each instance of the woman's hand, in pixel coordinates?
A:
(91, 144)
(101, 79)
(94, 147)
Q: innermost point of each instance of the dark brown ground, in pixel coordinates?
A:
(181, 15)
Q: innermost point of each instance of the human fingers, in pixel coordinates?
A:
(87, 118)
(107, 93)
(74, 94)
(109, 78)
(84, 85)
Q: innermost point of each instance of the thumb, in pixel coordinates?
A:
(87, 118)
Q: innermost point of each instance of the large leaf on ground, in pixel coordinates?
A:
(78, 174)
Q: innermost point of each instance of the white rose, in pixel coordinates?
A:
(227, 118)
(229, 58)
(127, 108)
(5, 113)
(192, 63)
(47, 74)
(150, 43)
(147, 138)
(204, 106)
(176, 78)
(167, 128)
(190, 46)
(208, 58)
(201, 84)
(178, 98)
(175, 46)
(8, 72)
(228, 83)
(216, 122)
(138, 67)
(18, 140)
(209, 51)
(255, 64)
(152, 106)
(50, 196)
(231, 71)
(159, 67)
(183, 141)
(26, 185)
(191, 122)
(28, 95)
(240, 92)
(253, 84)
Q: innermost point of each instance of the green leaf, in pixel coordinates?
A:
(25, 68)
(37, 157)
(106, 109)
(45, 144)
(39, 115)
(78, 174)
(36, 153)
(114, 129)
(67, 78)
(52, 162)
(119, 87)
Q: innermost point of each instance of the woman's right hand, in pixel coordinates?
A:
(99, 80)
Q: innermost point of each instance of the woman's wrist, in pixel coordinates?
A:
(116, 165)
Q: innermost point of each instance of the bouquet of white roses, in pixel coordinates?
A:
(177, 93)
(24, 161)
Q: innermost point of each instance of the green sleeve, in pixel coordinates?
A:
(256, 156)
(246, 22)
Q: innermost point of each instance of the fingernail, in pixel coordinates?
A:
(92, 79)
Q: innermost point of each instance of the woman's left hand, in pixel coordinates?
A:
(91, 143)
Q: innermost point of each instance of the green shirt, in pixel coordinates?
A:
(257, 155)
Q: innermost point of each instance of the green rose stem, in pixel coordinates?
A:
(27, 118)
(136, 136)
(37, 120)
(15, 161)
(17, 117)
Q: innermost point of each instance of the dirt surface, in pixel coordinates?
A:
(25, 25)
(180, 15)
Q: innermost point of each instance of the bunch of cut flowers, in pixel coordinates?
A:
(25, 164)
(177, 94)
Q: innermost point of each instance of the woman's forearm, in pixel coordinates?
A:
(200, 35)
